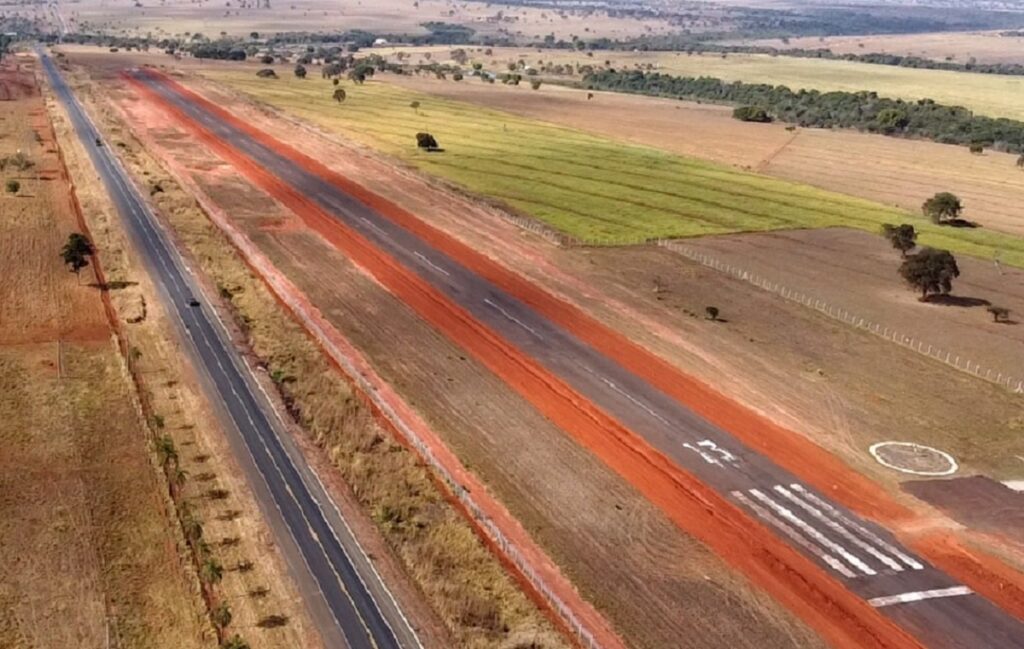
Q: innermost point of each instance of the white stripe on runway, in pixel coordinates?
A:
(811, 531)
(797, 537)
(919, 595)
(866, 533)
(839, 529)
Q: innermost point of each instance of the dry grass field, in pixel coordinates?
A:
(890, 171)
(89, 553)
(179, 17)
(960, 47)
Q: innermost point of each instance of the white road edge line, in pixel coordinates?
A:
(919, 595)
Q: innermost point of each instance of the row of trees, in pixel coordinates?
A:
(864, 111)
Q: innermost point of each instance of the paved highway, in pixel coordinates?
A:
(337, 576)
(864, 557)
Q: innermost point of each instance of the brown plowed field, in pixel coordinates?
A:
(887, 170)
(668, 587)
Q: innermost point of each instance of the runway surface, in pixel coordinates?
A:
(860, 555)
(339, 579)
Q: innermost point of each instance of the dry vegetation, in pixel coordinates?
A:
(88, 548)
(263, 601)
(960, 47)
(468, 588)
(181, 17)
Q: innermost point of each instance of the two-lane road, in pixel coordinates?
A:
(340, 585)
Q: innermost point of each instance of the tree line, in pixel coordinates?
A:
(864, 111)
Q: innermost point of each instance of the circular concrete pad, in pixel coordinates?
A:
(914, 458)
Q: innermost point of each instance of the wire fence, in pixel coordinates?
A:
(949, 357)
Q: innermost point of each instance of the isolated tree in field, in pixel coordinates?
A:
(711, 312)
(930, 271)
(76, 252)
(999, 314)
(12, 186)
(1020, 161)
(266, 73)
(942, 207)
(903, 237)
(339, 94)
(415, 106)
(535, 84)
(426, 141)
(300, 71)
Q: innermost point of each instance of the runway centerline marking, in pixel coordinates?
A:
(432, 264)
(489, 302)
(919, 595)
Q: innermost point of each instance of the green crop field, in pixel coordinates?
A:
(598, 190)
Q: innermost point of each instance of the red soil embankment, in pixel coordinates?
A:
(839, 615)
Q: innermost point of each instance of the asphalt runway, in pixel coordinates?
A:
(360, 613)
(866, 559)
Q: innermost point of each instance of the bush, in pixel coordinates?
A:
(426, 141)
(12, 186)
(266, 73)
(942, 207)
(752, 114)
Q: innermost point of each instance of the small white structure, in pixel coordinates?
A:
(380, 42)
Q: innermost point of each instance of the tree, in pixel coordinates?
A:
(12, 186)
(903, 237)
(1020, 161)
(930, 271)
(535, 84)
(977, 148)
(999, 314)
(339, 94)
(942, 207)
(266, 73)
(415, 106)
(166, 451)
(211, 571)
(76, 252)
(751, 114)
(890, 120)
(711, 312)
(426, 141)
(221, 616)
(300, 71)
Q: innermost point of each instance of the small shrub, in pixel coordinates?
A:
(426, 141)
(266, 73)
(999, 314)
(12, 186)
(711, 312)
(752, 114)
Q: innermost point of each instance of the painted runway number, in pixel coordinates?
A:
(712, 453)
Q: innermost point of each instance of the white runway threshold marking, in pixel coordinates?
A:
(842, 543)
(920, 595)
